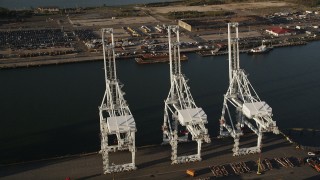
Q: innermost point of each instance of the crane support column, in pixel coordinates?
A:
(181, 114)
(116, 120)
(250, 111)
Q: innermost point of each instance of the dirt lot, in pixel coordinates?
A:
(25, 51)
(224, 36)
(225, 7)
(112, 22)
(34, 22)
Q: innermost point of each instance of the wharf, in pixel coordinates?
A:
(218, 53)
(299, 43)
(153, 162)
(41, 61)
(205, 53)
(74, 58)
(62, 59)
(30, 62)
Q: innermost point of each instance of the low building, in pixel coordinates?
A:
(90, 45)
(300, 27)
(185, 25)
(279, 31)
(193, 25)
(48, 9)
(302, 16)
(72, 10)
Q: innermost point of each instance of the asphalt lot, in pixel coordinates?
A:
(153, 162)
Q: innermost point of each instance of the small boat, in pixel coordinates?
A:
(260, 49)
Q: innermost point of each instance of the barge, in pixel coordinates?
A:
(156, 58)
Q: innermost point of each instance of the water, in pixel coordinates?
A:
(53, 110)
(19, 4)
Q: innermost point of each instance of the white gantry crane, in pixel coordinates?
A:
(181, 114)
(115, 116)
(242, 98)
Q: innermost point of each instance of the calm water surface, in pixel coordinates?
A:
(53, 110)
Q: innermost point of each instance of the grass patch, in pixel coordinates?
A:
(164, 4)
(197, 14)
(117, 11)
(206, 2)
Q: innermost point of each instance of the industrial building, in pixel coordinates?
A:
(199, 24)
(279, 31)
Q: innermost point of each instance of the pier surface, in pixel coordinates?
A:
(153, 162)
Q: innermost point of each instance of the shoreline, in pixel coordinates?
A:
(43, 62)
(29, 62)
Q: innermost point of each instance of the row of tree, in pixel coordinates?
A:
(6, 13)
